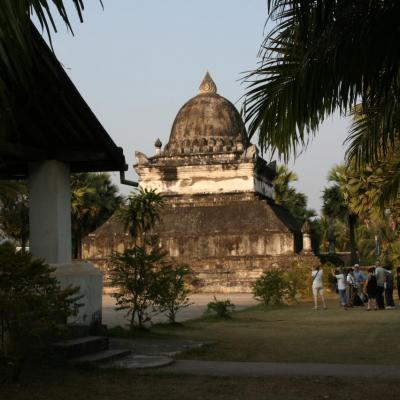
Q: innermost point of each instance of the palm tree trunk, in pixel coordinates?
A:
(352, 219)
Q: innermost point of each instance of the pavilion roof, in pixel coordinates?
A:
(54, 123)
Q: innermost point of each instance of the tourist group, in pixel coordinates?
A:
(373, 289)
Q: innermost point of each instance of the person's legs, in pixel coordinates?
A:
(379, 297)
(342, 297)
(389, 296)
(369, 303)
(321, 293)
(315, 293)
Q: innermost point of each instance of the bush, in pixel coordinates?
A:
(33, 308)
(271, 287)
(280, 286)
(220, 308)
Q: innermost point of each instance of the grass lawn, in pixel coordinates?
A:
(297, 334)
(282, 334)
(92, 384)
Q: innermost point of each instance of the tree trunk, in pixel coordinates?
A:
(352, 219)
(331, 236)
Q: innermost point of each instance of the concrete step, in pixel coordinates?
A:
(83, 346)
(101, 356)
(76, 331)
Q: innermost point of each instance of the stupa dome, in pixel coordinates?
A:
(206, 123)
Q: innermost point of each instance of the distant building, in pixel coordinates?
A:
(220, 218)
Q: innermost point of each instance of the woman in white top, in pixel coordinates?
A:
(317, 276)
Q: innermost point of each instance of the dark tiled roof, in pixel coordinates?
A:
(54, 122)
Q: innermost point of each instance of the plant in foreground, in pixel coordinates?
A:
(220, 308)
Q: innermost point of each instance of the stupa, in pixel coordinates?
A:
(221, 218)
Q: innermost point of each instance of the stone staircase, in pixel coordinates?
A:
(82, 347)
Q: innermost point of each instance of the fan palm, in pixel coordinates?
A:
(141, 212)
(94, 198)
(324, 56)
(337, 202)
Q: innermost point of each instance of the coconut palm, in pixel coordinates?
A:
(327, 56)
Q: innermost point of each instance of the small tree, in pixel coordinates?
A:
(170, 290)
(133, 273)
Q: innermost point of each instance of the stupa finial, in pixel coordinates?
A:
(207, 85)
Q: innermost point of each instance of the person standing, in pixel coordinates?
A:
(341, 285)
(389, 288)
(360, 279)
(380, 281)
(350, 287)
(317, 276)
(371, 288)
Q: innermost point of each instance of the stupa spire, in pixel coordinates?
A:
(207, 85)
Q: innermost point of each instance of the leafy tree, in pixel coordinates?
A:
(170, 291)
(94, 199)
(327, 56)
(144, 278)
(134, 274)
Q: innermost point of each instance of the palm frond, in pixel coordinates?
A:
(315, 61)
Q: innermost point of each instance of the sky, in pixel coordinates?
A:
(137, 62)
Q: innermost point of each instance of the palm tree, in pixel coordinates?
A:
(141, 212)
(289, 197)
(337, 204)
(284, 177)
(94, 198)
(324, 56)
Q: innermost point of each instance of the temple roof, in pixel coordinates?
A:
(55, 123)
(206, 122)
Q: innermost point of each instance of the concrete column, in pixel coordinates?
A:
(307, 248)
(50, 211)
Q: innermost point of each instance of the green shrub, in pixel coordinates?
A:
(280, 286)
(220, 308)
(271, 287)
(33, 307)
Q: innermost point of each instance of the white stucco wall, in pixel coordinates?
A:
(199, 179)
